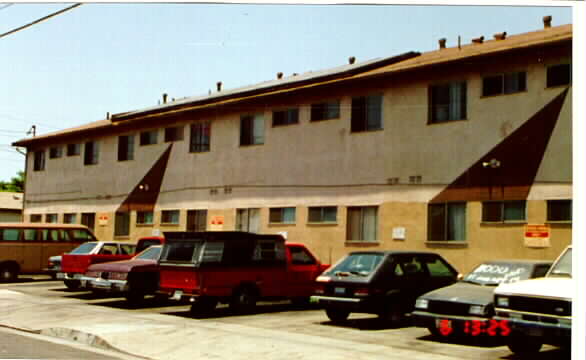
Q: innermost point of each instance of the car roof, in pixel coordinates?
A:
(518, 261)
(394, 252)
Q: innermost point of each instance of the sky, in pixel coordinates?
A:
(115, 57)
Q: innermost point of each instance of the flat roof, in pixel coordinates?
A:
(10, 200)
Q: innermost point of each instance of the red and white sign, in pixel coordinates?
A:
(217, 222)
(537, 235)
(103, 219)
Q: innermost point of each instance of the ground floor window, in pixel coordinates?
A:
(70, 218)
(322, 214)
(503, 211)
(447, 222)
(284, 215)
(197, 220)
(122, 224)
(362, 223)
(51, 218)
(170, 217)
(89, 220)
(559, 210)
(248, 220)
(144, 217)
(36, 218)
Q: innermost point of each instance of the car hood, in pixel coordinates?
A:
(552, 287)
(122, 265)
(462, 293)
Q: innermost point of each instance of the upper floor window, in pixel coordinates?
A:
(285, 215)
(325, 110)
(36, 218)
(170, 217)
(362, 223)
(286, 117)
(252, 128)
(447, 102)
(248, 220)
(39, 160)
(559, 210)
(51, 218)
(55, 152)
(558, 75)
(126, 147)
(446, 222)
(70, 218)
(91, 153)
(174, 133)
(367, 113)
(508, 83)
(149, 137)
(200, 137)
(503, 211)
(144, 217)
(73, 149)
(322, 214)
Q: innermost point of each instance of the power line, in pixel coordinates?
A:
(39, 20)
(5, 6)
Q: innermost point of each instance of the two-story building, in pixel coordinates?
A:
(465, 150)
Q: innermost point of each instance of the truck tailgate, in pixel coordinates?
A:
(178, 278)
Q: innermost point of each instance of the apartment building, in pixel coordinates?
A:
(464, 150)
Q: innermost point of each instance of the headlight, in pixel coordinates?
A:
(477, 309)
(94, 274)
(421, 303)
(502, 301)
(118, 276)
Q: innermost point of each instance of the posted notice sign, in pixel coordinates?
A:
(537, 235)
(217, 223)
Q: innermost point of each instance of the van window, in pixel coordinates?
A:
(50, 235)
(181, 251)
(30, 234)
(11, 234)
(64, 235)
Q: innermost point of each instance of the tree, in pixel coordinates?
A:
(16, 184)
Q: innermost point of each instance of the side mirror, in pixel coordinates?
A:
(460, 277)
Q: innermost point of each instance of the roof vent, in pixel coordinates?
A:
(279, 75)
(547, 21)
(478, 40)
(295, 74)
(165, 98)
(442, 43)
(351, 60)
(219, 86)
(500, 36)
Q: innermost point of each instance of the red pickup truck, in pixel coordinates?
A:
(237, 268)
(75, 263)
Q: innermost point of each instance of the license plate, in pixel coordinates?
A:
(339, 291)
(83, 283)
(60, 276)
(441, 323)
(177, 295)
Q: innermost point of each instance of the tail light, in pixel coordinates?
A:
(320, 290)
(361, 292)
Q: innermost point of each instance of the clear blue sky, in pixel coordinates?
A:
(98, 58)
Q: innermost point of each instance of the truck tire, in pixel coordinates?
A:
(8, 272)
(394, 316)
(302, 301)
(244, 299)
(72, 284)
(523, 345)
(337, 315)
(134, 297)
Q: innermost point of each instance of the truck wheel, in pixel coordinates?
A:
(244, 299)
(337, 315)
(72, 284)
(302, 301)
(203, 306)
(392, 316)
(8, 273)
(524, 345)
(134, 297)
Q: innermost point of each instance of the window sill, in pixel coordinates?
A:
(199, 151)
(447, 243)
(503, 223)
(503, 94)
(559, 222)
(445, 122)
(121, 237)
(144, 225)
(321, 120)
(361, 243)
(169, 224)
(284, 125)
(281, 224)
(367, 131)
(322, 224)
(251, 145)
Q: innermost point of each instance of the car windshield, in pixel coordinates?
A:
(357, 264)
(151, 253)
(498, 273)
(84, 248)
(563, 267)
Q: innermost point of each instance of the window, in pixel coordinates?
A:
(36, 218)
(126, 147)
(51, 218)
(362, 223)
(174, 133)
(200, 137)
(323, 214)
(55, 152)
(558, 75)
(367, 113)
(248, 220)
(503, 211)
(252, 128)
(504, 83)
(437, 267)
(69, 218)
(447, 102)
(148, 137)
(91, 153)
(10, 234)
(325, 110)
(286, 117)
(144, 217)
(170, 217)
(447, 222)
(30, 234)
(282, 215)
(73, 149)
(89, 220)
(39, 160)
(122, 224)
(559, 210)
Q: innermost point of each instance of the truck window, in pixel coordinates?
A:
(563, 266)
(181, 252)
(300, 256)
(109, 250)
(213, 252)
(438, 268)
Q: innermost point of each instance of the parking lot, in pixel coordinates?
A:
(161, 329)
